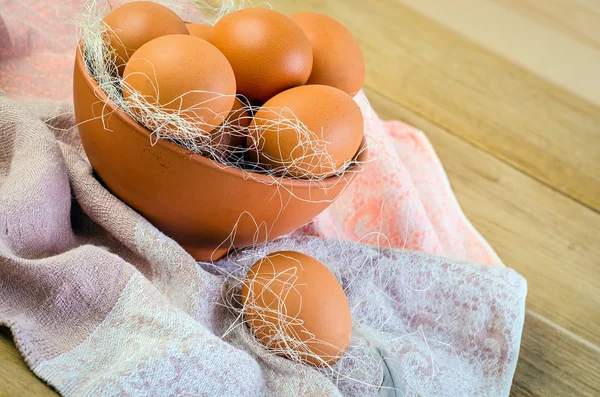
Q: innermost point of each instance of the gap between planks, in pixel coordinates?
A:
(536, 25)
(525, 229)
(22, 379)
(563, 330)
(476, 146)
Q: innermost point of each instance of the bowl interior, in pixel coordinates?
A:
(285, 182)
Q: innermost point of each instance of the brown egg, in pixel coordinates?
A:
(337, 58)
(232, 134)
(331, 133)
(182, 74)
(269, 53)
(237, 123)
(296, 307)
(201, 30)
(134, 24)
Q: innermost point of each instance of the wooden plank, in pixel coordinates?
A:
(15, 377)
(469, 91)
(554, 39)
(550, 364)
(576, 19)
(479, 110)
(553, 364)
(548, 238)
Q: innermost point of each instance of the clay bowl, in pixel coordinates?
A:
(207, 207)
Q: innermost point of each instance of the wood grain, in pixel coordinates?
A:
(576, 19)
(15, 378)
(473, 93)
(553, 364)
(509, 95)
(554, 39)
(548, 238)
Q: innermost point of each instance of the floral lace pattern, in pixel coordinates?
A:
(422, 326)
(106, 305)
(402, 199)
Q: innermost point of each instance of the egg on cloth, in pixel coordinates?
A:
(268, 52)
(200, 30)
(307, 132)
(134, 24)
(337, 58)
(296, 307)
(180, 75)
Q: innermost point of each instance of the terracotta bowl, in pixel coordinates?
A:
(204, 205)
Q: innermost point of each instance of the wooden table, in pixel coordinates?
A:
(508, 91)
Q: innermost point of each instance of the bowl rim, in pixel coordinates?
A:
(113, 108)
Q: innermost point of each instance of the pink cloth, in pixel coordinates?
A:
(101, 302)
(410, 203)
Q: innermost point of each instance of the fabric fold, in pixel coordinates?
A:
(101, 302)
